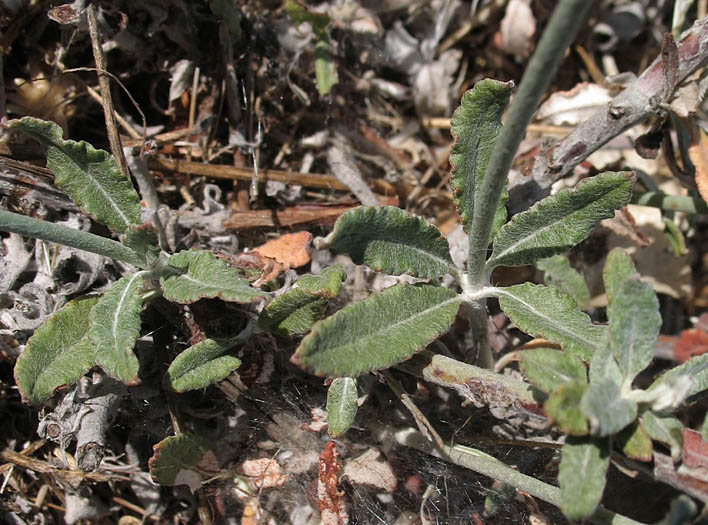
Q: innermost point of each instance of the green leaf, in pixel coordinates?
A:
(550, 369)
(665, 429)
(390, 240)
(379, 332)
(143, 241)
(557, 223)
(604, 366)
(634, 323)
(201, 275)
(90, 176)
(563, 406)
(325, 67)
(299, 13)
(476, 125)
(674, 238)
(202, 364)
(184, 459)
(341, 405)
(581, 475)
(704, 428)
(618, 268)
(58, 353)
(696, 368)
(299, 308)
(607, 411)
(559, 273)
(547, 312)
(114, 327)
(635, 443)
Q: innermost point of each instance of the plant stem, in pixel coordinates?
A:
(666, 202)
(567, 19)
(47, 231)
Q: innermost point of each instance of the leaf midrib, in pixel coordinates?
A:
(447, 264)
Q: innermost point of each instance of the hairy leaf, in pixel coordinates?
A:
(634, 326)
(299, 308)
(563, 406)
(604, 366)
(379, 332)
(665, 429)
(696, 368)
(559, 273)
(201, 275)
(90, 176)
(635, 443)
(114, 327)
(476, 125)
(184, 459)
(550, 369)
(202, 364)
(559, 222)
(618, 268)
(581, 475)
(58, 353)
(607, 411)
(143, 241)
(341, 405)
(390, 240)
(547, 312)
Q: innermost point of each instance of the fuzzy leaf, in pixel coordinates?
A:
(667, 430)
(604, 366)
(618, 268)
(563, 406)
(143, 241)
(184, 459)
(299, 308)
(390, 240)
(202, 364)
(696, 368)
(201, 275)
(607, 411)
(90, 176)
(634, 326)
(635, 443)
(550, 369)
(559, 273)
(379, 332)
(547, 312)
(341, 405)
(476, 125)
(559, 222)
(581, 475)
(58, 353)
(114, 327)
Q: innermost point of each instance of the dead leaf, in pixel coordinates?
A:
(691, 342)
(698, 152)
(518, 26)
(371, 469)
(573, 106)
(329, 498)
(265, 472)
(695, 451)
(290, 249)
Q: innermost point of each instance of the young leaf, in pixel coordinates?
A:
(604, 366)
(90, 176)
(581, 475)
(341, 405)
(201, 275)
(201, 365)
(184, 459)
(559, 222)
(476, 125)
(635, 443)
(299, 308)
(390, 240)
(550, 369)
(665, 429)
(696, 368)
(563, 406)
(325, 67)
(547, 312)
(634, 323)
(58, 353)
(559, 273)
(114, 327)
(379, 332)
(618, 268)
(607, 411)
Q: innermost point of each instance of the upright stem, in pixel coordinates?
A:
(47, 231)
(559, 34)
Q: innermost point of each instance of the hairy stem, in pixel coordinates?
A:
(47, 231)
(477, 315)
(559, 34)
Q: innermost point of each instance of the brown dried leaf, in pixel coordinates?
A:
(265, 472)
(329, 498)
(691, 342)
(289, 250)
(371, 469)
(698, 152)
(517, 29)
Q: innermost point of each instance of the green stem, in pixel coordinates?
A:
(567, 19)
(47, 231)
(477, 315)
(666, 202)
(489, 466)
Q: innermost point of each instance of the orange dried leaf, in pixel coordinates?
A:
(290, 250)
(698, 152)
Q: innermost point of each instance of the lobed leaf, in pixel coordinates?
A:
(557, 223)
(379, 332)
(547, 312)
(390, 240)
(58, 353)
(476, 125)
(607, 411)
(618, 268)
(202, 364)
(559, 273)
(582, 475)
(182, 460)
(201, 275)
(114, 327)
(550, 369)
(341, 405)
(90, 176)
(634, 323)
(563, 406)
(665, 429)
